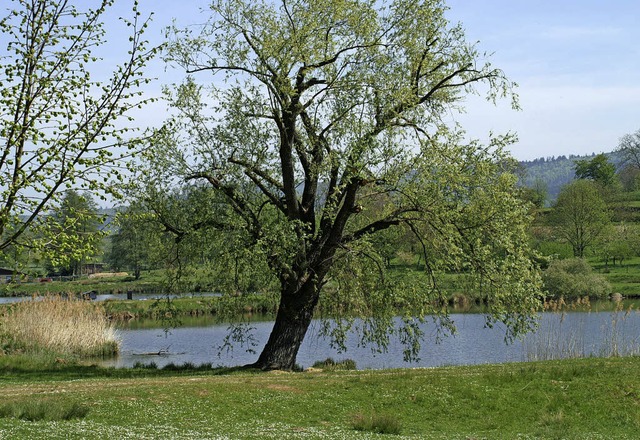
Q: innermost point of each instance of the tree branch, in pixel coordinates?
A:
(393, 219)
(239, 205)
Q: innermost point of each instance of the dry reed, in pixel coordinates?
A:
(59, 325)
(561, 340)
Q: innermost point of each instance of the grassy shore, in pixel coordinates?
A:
(572, 399)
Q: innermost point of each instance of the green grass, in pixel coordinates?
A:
(380, 423)
(573, 399)
(624, 279)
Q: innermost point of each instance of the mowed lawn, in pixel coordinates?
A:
(587, 398)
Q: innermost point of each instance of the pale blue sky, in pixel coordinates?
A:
(577, 63)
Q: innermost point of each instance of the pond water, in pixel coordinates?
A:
(559, 335)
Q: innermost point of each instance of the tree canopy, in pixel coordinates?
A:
(320, 124)
(77, 218)
(134, 241)
(598, 169)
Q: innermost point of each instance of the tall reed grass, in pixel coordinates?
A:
(567, 336)
(59, 325)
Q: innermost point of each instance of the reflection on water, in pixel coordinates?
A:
(559, 335)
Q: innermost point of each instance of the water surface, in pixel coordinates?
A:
(559, 335)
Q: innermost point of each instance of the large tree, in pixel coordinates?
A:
(315, 112)
(629, 147)
(60, 127)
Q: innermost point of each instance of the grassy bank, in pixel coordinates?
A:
(572, 399)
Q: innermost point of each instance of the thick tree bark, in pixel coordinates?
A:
(295, 312)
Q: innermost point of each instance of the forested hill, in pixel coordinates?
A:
(555, 172)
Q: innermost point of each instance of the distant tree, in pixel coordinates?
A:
(59, 127)
(529, 195)
(598, 169)
(136, 241)
(535, 194)
(617, 244)
(78, 221)
(632, 237)
(629, 177)
(388, 243)
(629, 146)
(580, 215)
(541, 189)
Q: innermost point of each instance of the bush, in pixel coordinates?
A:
(573, 278)
(145, 366)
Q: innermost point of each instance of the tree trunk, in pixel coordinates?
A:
(295, 312)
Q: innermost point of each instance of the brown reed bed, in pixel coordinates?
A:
(58, 325)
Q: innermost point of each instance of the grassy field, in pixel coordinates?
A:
(50, 396)
(572, 399)
(624, 278)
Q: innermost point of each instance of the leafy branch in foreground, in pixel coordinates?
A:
(59, 127)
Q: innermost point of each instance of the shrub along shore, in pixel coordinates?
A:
(229, 308)
(622, 279)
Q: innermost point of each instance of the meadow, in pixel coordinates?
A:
(572, 399)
